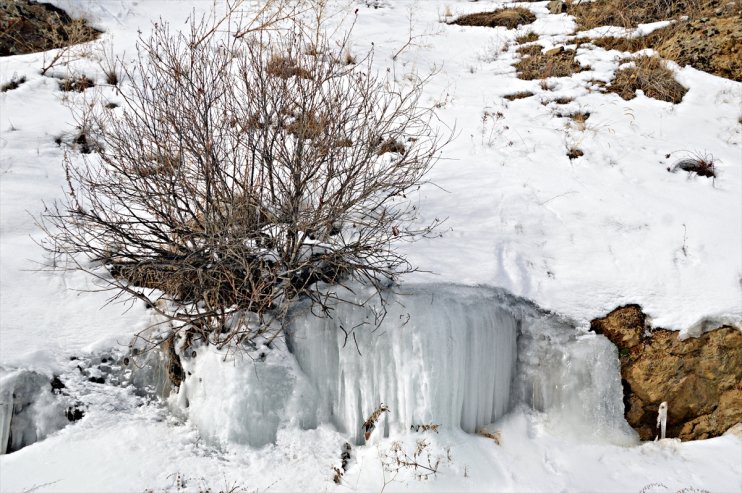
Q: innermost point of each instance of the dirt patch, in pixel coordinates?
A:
(30, 27)
(536, 64)
(651, 75)
(509, 18)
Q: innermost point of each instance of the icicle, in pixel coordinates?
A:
(662, 419)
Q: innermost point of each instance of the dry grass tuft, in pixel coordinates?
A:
(553, 63)
(526, 38)
(14, 83)
(574, 153)
(76, 84)
(701, 164)
(496, 436)
(509, 18)
(564, 100)
(280, 66)
(651, 75)
(518, 95)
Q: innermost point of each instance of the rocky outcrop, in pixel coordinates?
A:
(700, 378)
(27, 26)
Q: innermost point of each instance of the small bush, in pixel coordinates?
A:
(509, 18)
(262, 178)
(651, 75)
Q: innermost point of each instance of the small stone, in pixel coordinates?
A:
(554, 51)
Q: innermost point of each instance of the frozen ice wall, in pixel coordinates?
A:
(28, 409)
(443, 354)
(575, 379)
(457, 356)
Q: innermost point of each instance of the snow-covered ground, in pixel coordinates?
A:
(577, 237)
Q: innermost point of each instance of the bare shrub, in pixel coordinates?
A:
(509, 18)
(241, 174)
(651, 75)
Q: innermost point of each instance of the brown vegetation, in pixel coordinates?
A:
(705, 34)
(536, 64)
(651, 75)
(509, 18)
(518, 95)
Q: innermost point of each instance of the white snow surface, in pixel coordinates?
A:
(576, 237)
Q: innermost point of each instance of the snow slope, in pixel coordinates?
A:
(577, 237)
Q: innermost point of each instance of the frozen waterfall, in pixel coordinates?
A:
(456, 356)
(443, 355)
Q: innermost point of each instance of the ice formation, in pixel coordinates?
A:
(461, 357)
(442, 354)
(28, 409)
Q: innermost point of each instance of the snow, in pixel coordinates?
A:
(576, 237)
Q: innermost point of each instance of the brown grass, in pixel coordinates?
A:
(651, 75)
(526, 38)
(630, 13)
(574, 153)
(496, 436)
(563, 100)
(708, 40)
(509, 18)
(518, 95)
(539, 65)
(280, 66)
(76, 84)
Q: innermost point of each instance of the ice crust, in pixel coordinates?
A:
(456, 356)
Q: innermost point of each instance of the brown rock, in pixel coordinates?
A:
(700, 378)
